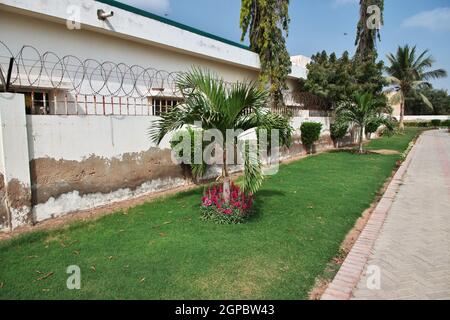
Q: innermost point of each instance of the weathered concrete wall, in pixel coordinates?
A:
(15, 192)
(80, 162)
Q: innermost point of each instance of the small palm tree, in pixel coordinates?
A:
(364, 110)
(408, 72)
(216, 105)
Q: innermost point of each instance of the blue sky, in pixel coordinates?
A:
(318, 25)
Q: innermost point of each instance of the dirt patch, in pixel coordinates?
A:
(52, 178)
(385, 151)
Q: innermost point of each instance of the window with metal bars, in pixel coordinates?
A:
(163, 105)
(36, 102)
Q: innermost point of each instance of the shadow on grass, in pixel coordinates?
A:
(259, 201)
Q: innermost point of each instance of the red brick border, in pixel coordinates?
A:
(352, 268)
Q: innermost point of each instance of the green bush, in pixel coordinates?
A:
(310, 132)
(338, 130)
(445, 123)
(435, 123)
(420, 124)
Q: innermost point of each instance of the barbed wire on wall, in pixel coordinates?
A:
(32, 69)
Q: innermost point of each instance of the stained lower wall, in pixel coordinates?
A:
(4, 216)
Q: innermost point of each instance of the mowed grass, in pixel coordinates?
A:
(162, 250)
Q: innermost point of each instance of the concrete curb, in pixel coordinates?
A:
(352, 268)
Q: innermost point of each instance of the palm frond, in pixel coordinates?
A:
(253, 176)
(426, 101)
(434, 74)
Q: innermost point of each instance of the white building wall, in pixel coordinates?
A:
(15, 31)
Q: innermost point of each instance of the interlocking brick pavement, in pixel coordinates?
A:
(412, 250)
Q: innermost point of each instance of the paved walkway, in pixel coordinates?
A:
(412, 250)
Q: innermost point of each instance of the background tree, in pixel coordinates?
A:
(409, 72)
(267, 23)
(336, 79)
(439, 99)
(215, 105)
(367, 31)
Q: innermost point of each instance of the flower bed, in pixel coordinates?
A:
(216, 209)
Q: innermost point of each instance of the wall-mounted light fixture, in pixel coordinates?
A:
(103, 15)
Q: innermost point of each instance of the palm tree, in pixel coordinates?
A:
(408, 72)
(216, 105)
(362, 111)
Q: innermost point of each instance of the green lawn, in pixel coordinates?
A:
(162, 250)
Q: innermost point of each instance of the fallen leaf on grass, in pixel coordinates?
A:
(48, 275)
(110, 257)
(93, 268)
(162, 234)
(142, 280)
(2, 285)
(167, 222)
(76, 252)
(32, 257)
(45, 290)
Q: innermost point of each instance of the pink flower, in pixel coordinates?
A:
(207, 202)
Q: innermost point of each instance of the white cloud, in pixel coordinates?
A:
(345, 2)
(157, 6)
(434, 20)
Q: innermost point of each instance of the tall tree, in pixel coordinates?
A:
(409, 72)
(267, 23)
(368, 28)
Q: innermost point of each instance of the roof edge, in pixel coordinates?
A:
(153, 16)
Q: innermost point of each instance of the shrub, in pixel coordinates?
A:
(435, 123)
(446, 123)
(338, 130)
(310, 132)
(420, 124)
(215, 209)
